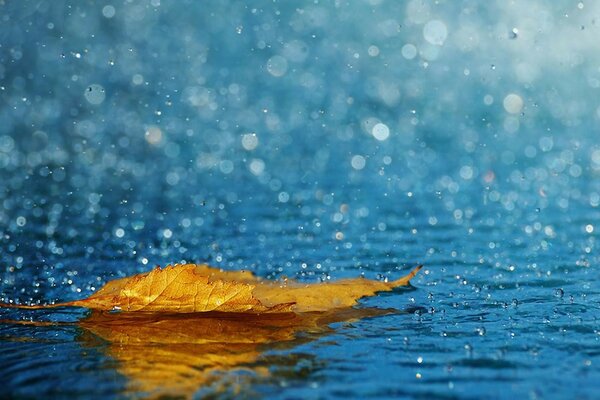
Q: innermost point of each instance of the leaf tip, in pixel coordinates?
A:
(406, 279)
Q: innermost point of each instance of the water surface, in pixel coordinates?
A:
(315, 141)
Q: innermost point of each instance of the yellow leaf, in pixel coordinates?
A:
(230, 318)
(325, 296)
(194, 288)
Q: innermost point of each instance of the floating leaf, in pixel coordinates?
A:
(194, 288)
(230, 318)
(325, 296)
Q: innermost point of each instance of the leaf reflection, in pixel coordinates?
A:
(176, 355)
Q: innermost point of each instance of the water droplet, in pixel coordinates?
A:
(137, 79)
(435, 32)
(153, 135)
(249, 141)
(94, 94)
(380, 131)
(409, 51)
(358, 162)
(108, 11)
(277, 66)
(513, 103)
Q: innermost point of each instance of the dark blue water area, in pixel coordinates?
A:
(316, 141)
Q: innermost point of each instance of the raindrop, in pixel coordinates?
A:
(513, 103)
(277, 66)
(249, 141)
(409, 51)
(137, 79)
(153, 135)
(373, 51)
(435, 32)
(108, 11)
(95, 94)
(358, 162)
(380, 131)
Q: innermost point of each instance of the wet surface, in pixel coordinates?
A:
(316, 142)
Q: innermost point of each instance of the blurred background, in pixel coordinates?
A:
(150, 132)
(316, 140)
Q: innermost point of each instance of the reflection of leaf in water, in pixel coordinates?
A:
(175, 355)
(192, 288)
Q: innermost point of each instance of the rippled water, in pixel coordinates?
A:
(317, 142)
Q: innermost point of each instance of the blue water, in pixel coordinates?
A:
(317, 141)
